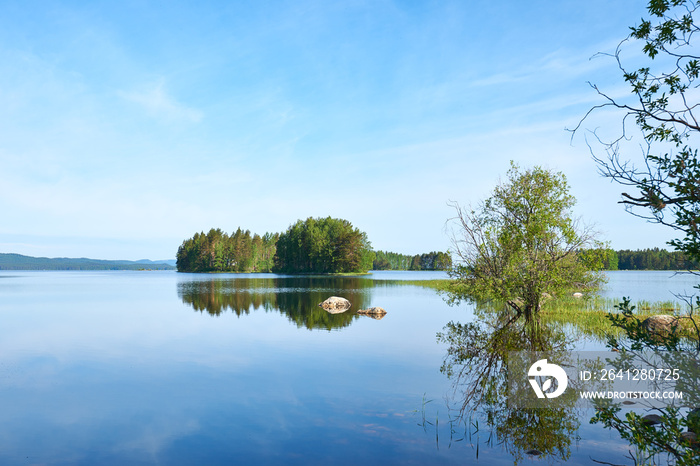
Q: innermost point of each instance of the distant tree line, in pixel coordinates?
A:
(641, 259)
(596, 258)
(314, 245)
(654, 259)
(217, 251)
(385, 260)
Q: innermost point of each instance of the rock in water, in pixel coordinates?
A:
(652, 419)
(373, 312)
(690, 437)
(660, 324)
(335, 305)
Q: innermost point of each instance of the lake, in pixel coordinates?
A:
(167, 368)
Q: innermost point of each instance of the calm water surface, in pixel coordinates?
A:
(167, 368)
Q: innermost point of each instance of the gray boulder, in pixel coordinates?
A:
(690, 438)
(652, 419)
(660, 324)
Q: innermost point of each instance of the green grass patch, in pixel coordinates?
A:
(589, 316)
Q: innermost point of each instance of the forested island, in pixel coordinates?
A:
(314, 245)
(323, 245)
(217, 251)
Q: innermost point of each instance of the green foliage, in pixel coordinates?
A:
(385, 260)
(323, 245)
(314, 245)
(599, 258)
(521, 244)
(216, 251)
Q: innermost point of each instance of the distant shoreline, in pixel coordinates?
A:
(11, 261)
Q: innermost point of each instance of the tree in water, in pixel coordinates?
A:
(521, 244)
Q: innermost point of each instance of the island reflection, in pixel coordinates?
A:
(295, 297)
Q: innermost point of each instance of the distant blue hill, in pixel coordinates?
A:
(171, 262)
(20, 262)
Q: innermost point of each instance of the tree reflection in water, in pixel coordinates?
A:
(295, 297)
(476, 362)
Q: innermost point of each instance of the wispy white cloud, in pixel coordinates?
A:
(159, 103)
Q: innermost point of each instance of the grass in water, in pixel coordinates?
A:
(587, 316)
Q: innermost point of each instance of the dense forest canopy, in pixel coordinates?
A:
(314, 245)
(655, 259)
(216, 251)
(323, 245)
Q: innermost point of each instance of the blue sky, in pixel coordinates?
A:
(125, 127)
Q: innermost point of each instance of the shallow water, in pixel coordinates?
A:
(167, 368)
